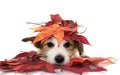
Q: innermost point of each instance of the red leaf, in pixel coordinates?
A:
(56, 18)
(80, 38)
(24, 54)
(69, 23)
(67, 36)
(79, 66)
(26, 61)
(50, 68)
(49, 23)
(29, 61)
(39, 65)
(74, 60)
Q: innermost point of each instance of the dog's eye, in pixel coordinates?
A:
(50, 44)
(67, 44)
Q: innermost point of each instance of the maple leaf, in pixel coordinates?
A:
(79, 66)
(74, 60)
(54, 30)
(59, 29)
(39, 65)
(26, 61)
(30, 61)
(25, 54)
(56, 18)
(67, 36)
(101, 60)
(68, 23)
(80, 38)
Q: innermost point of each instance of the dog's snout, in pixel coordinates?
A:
(59, 58)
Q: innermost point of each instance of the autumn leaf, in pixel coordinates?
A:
(26, 61)
(69, 23)
(25, 54)
(54, 30)
(60, 29)
(81, 67)
(67, 36)
(56, 18)
(30, 61)
(74, 60)
(101, 60)
(39, 65)
(80, 38)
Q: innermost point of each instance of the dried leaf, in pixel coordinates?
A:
(30, 61)
(69, 23)
(26, 61)
(101, 60)
(80, 38)
(59, 34)
(56, 18)
(40, 28)
(74, 60)
(54, 30)
(81, 67)
(67, 36)
(58, 28)
(25, 54)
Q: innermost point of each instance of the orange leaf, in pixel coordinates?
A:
(46, 32)
(36, 29)
(41, 36)
(53, 30)
(59, 36)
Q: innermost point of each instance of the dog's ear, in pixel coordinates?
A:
(79, 47)
(37, 44)
(28, 39)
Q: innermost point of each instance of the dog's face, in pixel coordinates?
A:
(52, 53)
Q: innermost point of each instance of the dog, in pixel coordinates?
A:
(54, 54)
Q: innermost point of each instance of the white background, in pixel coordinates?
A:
(101, 17)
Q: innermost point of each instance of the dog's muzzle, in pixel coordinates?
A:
(59, 59)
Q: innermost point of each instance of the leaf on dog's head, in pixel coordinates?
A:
(80, 38)
(56, 18)
(60, 29)
(54, 30)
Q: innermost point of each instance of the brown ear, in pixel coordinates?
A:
(79, 46)
(37, 44)
(28, 39)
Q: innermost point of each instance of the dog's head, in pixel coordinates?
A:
(52, 53)
(51, 40)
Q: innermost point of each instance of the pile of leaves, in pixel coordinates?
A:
(60, 29)
(30, 61)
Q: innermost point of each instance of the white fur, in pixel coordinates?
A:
(56, 51)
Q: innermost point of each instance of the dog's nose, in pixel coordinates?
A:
(59, 58)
